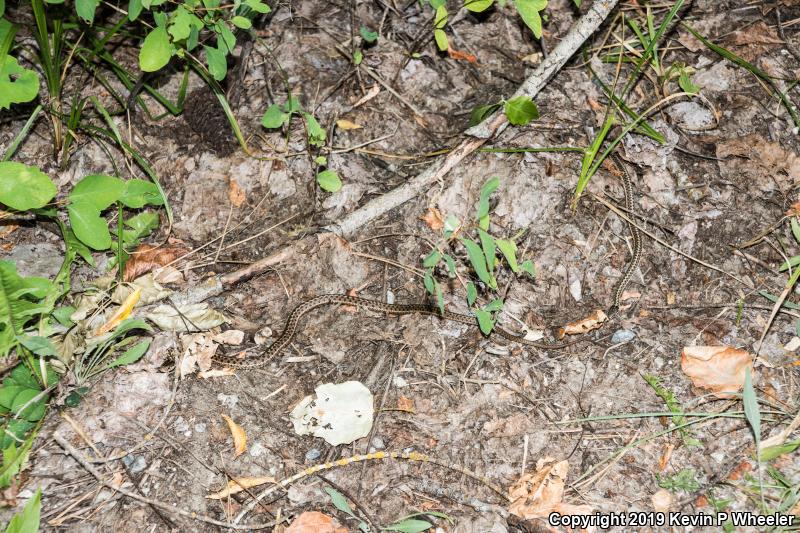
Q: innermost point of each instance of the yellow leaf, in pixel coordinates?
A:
(122, 313)
(344, 124)
(239, 436)
(238, 485)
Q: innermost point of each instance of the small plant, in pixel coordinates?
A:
(685, 480)
(481, 249)
(674, 406)
(409, 524)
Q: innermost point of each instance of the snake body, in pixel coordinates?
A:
(293, 320)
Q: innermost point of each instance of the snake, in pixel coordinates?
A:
(293, 320)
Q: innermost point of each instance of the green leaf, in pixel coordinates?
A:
(451, 224)
(228, 41)
(63, 314)
(130, 324)
(451, 265)
(156, 50)
(685, 83)
(441, 40)
(432, 260)
(14, 432)
(75, 246)
(131, 355)
(428, 281)
(329, 180)
(367, 34)
(358, 57)
(528, 266)
(98, 191)
(13, 459)
(521, 110)
(292, 105)
(478, 6)
(38, 345)
(316, 134)
(472, 293)
(489, 247)
(257, 6)
(509, 250)
(494, 305)
(23, 187)
(89, 226)
(134, 9)
(2, 7)
(795, 229)
(143, 224)
(488, 188)
(243, 23)
(437, 290)
(481, 112)
(751, 410)
(85, 9)
(182, 23)
(339, 501)
(17, 84)
(485, 322)
(530, 10)
(217, 61)
(23, 407)
(7, 394)
(771, 452)
(22, 376)
(321, 160)
(138, 193)
(21, 301)
(478, 261)
(274, 117)
(28, 520)
(409, 525)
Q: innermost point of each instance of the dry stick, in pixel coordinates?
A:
(78, 456)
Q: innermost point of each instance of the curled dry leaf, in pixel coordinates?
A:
(147, 257)
(236, 194)
(198, 351)
(216, 373)
(238, 485)
(372, 93)
(591, 322)
(122, 313)
(232, 337)
(539, 493)
(239, 436)
(315, 522)
(187, 317)
(344, 124)
(720, 369)
(433, 218)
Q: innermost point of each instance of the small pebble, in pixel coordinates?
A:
(622, 335)
(313, 454)
(135, 463)
(200, 428)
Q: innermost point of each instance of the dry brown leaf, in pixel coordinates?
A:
(216, 373)
(720, 369)
(233, 337)
(239, 436)
(238, 485)
(347, 125)
(122, 313)
(794, 210)
(741, 468)
(236, 194)
(147, 257)
(372, 93)
(661, 500)
(663, 461)
(758, 33)
(538, 493)
(591, 322)
(459, 55)
(405, 404)
(701, 501)
(433, 218)
(315, 522)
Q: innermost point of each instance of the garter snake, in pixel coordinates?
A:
(293, 320)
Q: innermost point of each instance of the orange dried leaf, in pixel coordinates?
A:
(344, 124)
(122, 313)
(591, 322)
(433, 218)
(720, 369)
(538, 493)
(238, 485)
(314, 522)
(459, 55)
(147, 257)
(405, 404)
(236, 194)
(372, 93)
(239, 436)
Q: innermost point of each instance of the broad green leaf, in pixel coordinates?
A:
(134, 9)
(795, 229)
(14, 432)
(432, 259)
(451, 265)
(486, 191)
(751, 410)
(182, 23)
(437, 289)
(428, 281)
(13, 460)
(24, 405)
(409, 525)
(528, 266)
(494, 305)
(368, 35)
(358, 57)
(329, 180)
(472, 293)
(21, 300)
(131, 355)
(23, 187)
(292, 105)
(89, 227)
(22, 376)
(478, 6)
(316, 134)
(257, 6)
(156, 50)
(274, 117)
(226, 40)
(138, 193)
(441, 40)
(17, 84)
(685, 83)
(339, 501)
(481, 112)
(485, 321)
(130, 324)
(240, 22)
(489, 247)
(38, 345)
(436, 4)
(143, 223)
(772, 452)
(451, 224)
(521, 110)
(530, 10)
(75, 246)
(217, 61)
(85, 9)
(63, 314)
(440, 19)
(7, 394)
(509, 250)
(2, 7)
(98, 191)
(478, 261)
(28, 520)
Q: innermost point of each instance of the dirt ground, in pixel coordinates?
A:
(727, 174)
